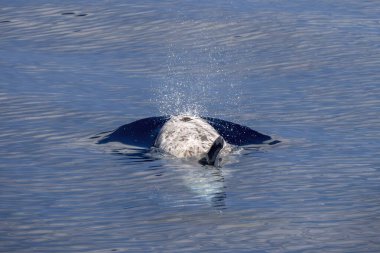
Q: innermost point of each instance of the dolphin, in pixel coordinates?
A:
(185, 136)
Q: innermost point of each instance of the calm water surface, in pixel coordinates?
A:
(305, 72)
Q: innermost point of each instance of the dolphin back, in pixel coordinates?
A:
(239, 135)
(143, 133)
(140, 133)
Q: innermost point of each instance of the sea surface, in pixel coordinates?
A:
(305, 72)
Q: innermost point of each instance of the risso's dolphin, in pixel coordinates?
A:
(189, 137)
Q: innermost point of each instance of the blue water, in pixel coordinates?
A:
(305, 72)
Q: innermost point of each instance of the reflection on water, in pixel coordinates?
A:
(307, 72)
(206, 183)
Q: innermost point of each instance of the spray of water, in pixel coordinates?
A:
(198, 80)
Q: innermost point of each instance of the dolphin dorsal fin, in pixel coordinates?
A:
(213, 152)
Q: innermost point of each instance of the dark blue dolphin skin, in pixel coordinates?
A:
(143, 133)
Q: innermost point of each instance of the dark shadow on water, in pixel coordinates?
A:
(70, 13)
(219, 200)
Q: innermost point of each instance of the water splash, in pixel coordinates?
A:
(196, 82)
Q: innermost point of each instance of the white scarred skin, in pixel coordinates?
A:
(187, 137)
